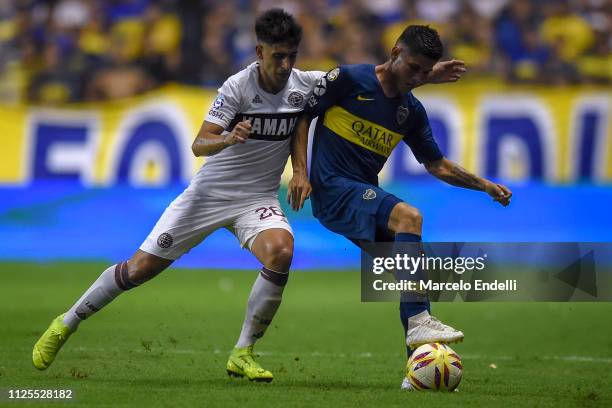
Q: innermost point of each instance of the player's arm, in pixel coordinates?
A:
(427, 151)
(327, 91)
(450, 172)
(445, 71)
(210, 139)
(299, 187)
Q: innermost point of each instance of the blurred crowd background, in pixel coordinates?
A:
(54, 52)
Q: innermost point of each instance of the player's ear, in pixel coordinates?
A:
(259, 51)
(395, 52)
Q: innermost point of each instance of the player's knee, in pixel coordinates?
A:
(279, 256)
(409, 220)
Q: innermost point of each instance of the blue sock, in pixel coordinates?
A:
(412, 308)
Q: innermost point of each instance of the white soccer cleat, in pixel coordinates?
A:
(406, 385)
(424, 328)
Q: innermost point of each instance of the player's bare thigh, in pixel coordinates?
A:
(405, 218)
(143, 266)
(274, 249)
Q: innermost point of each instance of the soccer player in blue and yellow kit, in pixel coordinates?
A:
(364, 111)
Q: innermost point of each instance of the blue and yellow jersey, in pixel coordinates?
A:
(359, 126)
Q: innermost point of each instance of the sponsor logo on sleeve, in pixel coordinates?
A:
(219, 101)
(318, 91)
(216, 114)
(321, 87)
(217, 104)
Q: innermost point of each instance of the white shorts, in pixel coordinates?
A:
(191, 217)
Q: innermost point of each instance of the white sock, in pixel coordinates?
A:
(264, 300)
(111, 283)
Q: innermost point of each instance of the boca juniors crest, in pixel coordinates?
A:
(402, 114)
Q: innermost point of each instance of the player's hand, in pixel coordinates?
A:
(298, 191)
(239, 134)
(499, 192)
(446, 71)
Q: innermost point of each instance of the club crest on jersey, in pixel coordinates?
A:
(257, 99)
(218, 103)
(402, 114)
(296, 99)
(333, 74)
(369, 194)
(165, 240)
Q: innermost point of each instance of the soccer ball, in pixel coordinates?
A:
(434, 366)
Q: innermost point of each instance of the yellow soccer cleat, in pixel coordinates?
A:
(242, 364)
(49, 344)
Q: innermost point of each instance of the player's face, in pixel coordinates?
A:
(408, 69)
(276, 62)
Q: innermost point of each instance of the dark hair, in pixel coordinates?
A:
(277, 26)
(422, 40)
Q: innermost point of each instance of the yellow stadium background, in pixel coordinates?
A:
(462, 105)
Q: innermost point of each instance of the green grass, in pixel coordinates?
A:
(166, 343)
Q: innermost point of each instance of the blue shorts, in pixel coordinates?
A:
(358, 211)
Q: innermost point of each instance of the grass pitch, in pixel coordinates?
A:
(166, 344)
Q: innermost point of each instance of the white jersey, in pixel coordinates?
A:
(253, 168)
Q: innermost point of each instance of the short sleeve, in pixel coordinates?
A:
(314, 76)
(328, 90)
(420, 137)
(226, 104)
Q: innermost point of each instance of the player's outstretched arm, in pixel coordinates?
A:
(450, 172)
(299, 187)
(445, 71)
(210, 139)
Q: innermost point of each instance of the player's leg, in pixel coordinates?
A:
(185, 223)
(265, 230)
(420, 327)
(114, 281)
(274, 249)
(406, 222)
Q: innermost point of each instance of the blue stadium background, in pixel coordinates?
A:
(522, 85)
(55, 221)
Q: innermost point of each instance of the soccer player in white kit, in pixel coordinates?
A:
(247, 135)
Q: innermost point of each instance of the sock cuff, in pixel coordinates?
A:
(122, 278)
(277, 278)
(407, 237)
